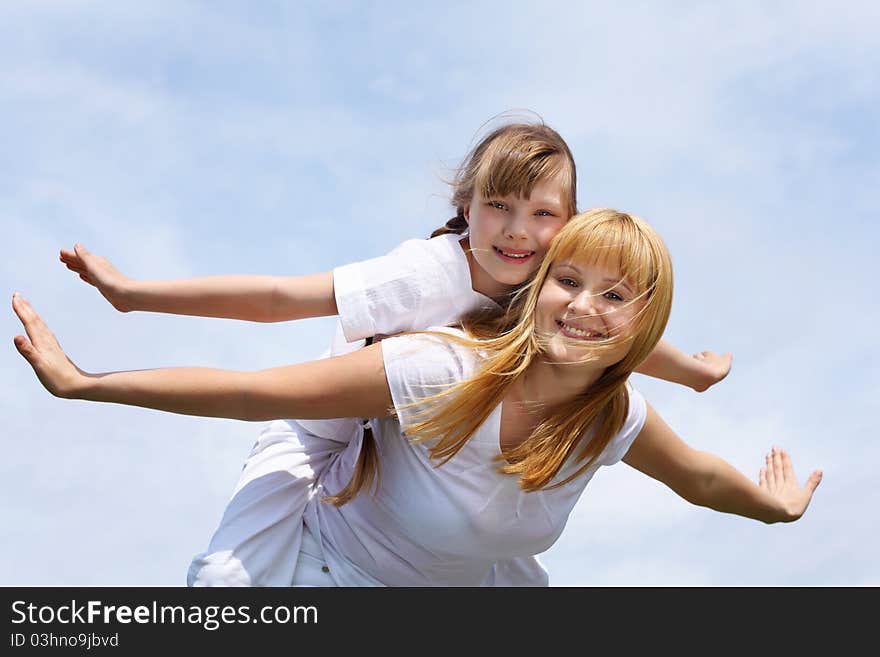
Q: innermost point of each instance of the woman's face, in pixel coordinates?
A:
(509, 235)
(582, 304)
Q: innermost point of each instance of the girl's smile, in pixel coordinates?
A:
(513, 256)
(508, 235)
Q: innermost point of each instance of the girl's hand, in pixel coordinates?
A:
(53, 368)
(713, 368)
(778, 479)
(97, 270)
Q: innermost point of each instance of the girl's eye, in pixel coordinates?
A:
(568, 282)
(614, 296)
(544, 213)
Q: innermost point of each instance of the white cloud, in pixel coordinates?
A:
(297, 139)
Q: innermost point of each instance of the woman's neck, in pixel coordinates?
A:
(552, 384)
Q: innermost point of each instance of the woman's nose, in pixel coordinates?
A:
(585, 304)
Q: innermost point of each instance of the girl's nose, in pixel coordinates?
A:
(516, 227)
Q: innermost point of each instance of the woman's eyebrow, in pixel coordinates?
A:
(618, 281)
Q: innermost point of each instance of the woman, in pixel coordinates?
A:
(506, 420)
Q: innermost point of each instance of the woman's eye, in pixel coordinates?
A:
(568, 282)
(614, 296)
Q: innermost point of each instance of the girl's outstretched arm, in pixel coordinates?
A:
(699, 371)
(251, 297)
(707, 480)
(353, 385)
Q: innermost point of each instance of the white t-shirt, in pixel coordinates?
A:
(420, 283)
(447, 525)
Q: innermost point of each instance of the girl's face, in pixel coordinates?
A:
(582, 304)
(509, 235)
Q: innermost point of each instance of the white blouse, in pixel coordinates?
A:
(441, 526)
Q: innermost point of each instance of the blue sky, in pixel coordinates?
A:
(183, 139)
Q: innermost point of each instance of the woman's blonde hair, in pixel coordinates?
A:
(512, 159)
(512, 341)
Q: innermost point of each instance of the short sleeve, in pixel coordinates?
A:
(420, 365)
(421, 283)
(635, 420)
(519, 572)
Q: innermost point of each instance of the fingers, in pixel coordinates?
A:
(21, 307)
(76, 268)
(75, 262)
(26, 314)
(814, 481)
(787, 467)
(74, 257)
(778, 473)
(34, 326)
(24, 347)
(770, 475)
(69, 256)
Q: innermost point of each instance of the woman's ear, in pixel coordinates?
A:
(466, 212)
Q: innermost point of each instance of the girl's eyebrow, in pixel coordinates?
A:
(546, 202)
(541, 201)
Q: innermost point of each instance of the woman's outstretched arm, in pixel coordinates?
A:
(353, 385)
(707, 480)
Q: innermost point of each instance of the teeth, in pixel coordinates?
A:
(581, 333)
(514, 255)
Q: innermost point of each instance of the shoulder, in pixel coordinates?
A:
(638, 411)
(420, 283)
(411, 255)
(635, 419)
(444, 247)
(439, 347)
(420, 365)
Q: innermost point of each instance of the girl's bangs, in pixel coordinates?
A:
(506, 169)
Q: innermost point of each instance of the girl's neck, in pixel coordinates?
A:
(481, 282)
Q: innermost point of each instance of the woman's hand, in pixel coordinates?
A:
(53, 368)
(97, 270)
(777, 478)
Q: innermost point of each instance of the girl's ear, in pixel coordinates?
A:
(467, 213)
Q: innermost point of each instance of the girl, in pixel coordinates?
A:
(514, 192)
(496, 428)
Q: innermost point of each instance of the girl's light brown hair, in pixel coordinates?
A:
(512, 159)
(512, 341)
